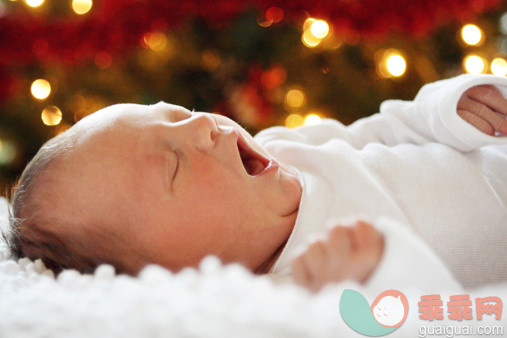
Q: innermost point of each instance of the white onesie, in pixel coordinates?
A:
(437, 183)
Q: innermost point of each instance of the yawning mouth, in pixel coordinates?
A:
(253, 162)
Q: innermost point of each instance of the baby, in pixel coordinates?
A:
(132, 185)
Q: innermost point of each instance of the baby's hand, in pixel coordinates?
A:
(485, 108)
(344, 253)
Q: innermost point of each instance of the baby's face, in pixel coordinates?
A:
(174, 186)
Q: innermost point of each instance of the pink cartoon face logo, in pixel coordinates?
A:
(390, 308)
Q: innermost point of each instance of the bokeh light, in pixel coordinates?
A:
(34, 3)
(314, 31)
(319, 29)
(103, 60)
(396, 65)
(312, 119)
(155, 40)
(308, 23)
(81, 6)
(503, 23)
(295, 98)
(51, 116)
(391, 63)
(40, 89)
(474, 64)
(471, 34)
(499, 67)
(273, 77)
(309, 40)
(294, 120)
(7, 152)
(274, 14)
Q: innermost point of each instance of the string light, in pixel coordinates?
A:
(309, 40)
(51, 116)
(499, 67)
(156, 40)
(103, 60)
(308, 24)
(40, 89)
(273, 77)
(319, 28)
(294, 120)
(34, 3)
(471, 34)
(503, 23)
(313, 32)
(312, 119)
(7, 152)
(396, 65)
(81, 7)
(391, 63)
(295, 98)
(474, 64)
(274, 14)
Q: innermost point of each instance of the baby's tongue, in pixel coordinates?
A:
(253, 166)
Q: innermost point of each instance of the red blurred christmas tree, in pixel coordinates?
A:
(259, 62)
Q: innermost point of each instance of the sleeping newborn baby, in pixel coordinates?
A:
(132, 185)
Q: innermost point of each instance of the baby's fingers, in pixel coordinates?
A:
(367, 239)
(300, 273)
(310, 268)
(481, 116)
(490, 96)
(477, 122)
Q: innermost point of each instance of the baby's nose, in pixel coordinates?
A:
(204, 130)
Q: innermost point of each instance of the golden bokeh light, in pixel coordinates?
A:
(294, 120)
(471, 34)
(308, 23)
(312, 119)
(34, 3)
(8, 152)
(81, 6)
(156, 40)
(391, 63)
(295, 98)
(310, 40)
(319, 29)
(40, 89)
(474, 64)
(51, 116)
(499, 67)
(396, 65)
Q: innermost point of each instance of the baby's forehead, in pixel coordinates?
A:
(123, 113)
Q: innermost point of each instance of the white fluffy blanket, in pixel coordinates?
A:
(216, 301)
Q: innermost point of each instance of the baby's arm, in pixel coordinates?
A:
(389, 256)
(344, 253)
(433, 116)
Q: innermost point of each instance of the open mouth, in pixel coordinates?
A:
(253, 162)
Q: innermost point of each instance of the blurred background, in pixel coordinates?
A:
(260, 62)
